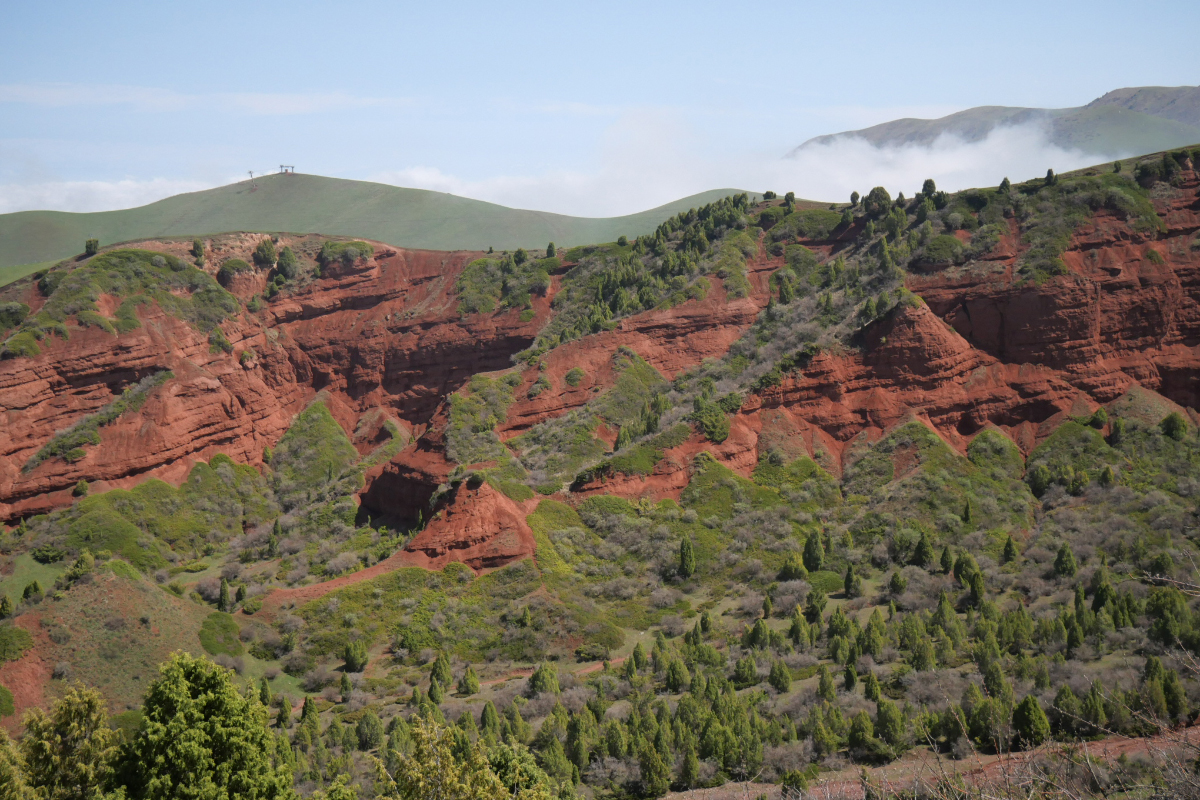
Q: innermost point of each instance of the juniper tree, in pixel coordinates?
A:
(780, 677)
(468, 684)
(198, 730)
(1064, 562)
(687, 557)
(814, 552)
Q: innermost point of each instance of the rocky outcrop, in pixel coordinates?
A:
(383, 338)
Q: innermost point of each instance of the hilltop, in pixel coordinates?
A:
(765, 492)
(300, 203)
(1124, 121)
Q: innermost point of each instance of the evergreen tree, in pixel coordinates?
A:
(469, 683)
(793, 569)
(6, 607)
(70, 752)
(871, 688)
(198, 730)
(441, 670)
(851, 583)
(1174, 426)
(825, 687)
(947, 560)
(849, 677)
(923, 554)
(435, 692)
(815, 605)
(223, 600)
(639, 657)
(551, 250)
(283, 720)
(1064, 562)
(345, 687)
(689, 770)
(814, 553)
(544, 679)
(656, 776)
(889, 723)
(264, 692)
(355, 656)
(489, 720)
(677, 676)
(687, 557)
(369, 730)
(862, 732)
(780, 677)
(1010, 550)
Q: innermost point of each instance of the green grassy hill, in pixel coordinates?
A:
(1124, 121)
(314, 204)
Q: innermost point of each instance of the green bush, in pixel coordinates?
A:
(230, 268)
(219, 635)
(574, 377)
(264, 254)
(14, 642)
(12, 315)
(943, 249)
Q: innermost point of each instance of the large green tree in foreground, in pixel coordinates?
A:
(200, 738)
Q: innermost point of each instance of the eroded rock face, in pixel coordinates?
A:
(985, 350)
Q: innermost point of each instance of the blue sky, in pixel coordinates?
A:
(581, 108)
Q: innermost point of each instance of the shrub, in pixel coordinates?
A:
(943, 249)
(81, 488)
(91, 247)
(12, 314)
(355, 656)
(574, 377)
(1174, 426)
(14, 642)
(288, 265)
(230, 268)
(264, 254)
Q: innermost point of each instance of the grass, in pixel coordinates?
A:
(15, 272)
(26, 570)
(400, 217)
(314, 452)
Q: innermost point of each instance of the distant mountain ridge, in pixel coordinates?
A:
(1124, 121)
(414, 218)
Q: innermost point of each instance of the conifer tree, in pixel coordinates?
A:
(1030, 723)
(223, 598)
(198, 730)
(1064, 562)
(687, 557)
(468, 684)
(441, 670)
(70, 751)
(947, 560)
(825, 687)
(814, 552)
(780, 677)
(1010, 550)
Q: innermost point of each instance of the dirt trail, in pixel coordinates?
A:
(923, 765)
(279, 598)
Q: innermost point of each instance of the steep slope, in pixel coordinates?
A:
(1124, 121)
(413, 218)
(943, 448)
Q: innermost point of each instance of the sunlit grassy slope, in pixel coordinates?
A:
(314, 204)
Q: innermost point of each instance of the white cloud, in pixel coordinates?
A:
(67, 95)
(649, 158)
(93, 195)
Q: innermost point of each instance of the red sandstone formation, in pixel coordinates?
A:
(386, 336)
